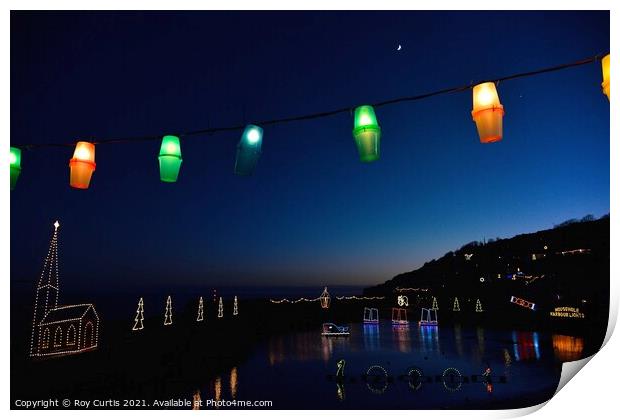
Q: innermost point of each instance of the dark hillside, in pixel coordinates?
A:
(563, 267)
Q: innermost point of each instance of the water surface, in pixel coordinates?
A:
(407, 366)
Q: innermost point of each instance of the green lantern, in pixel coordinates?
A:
(170, 159)
(248, 150)
(367, 133)
(15, 160)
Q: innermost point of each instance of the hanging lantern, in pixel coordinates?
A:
(82, 165)
(170, 159)
(487, 113)
(605, 84)
(248, 150)
(367, 133)
(325, 299)
(15, 160)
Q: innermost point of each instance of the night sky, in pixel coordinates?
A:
(312, 214)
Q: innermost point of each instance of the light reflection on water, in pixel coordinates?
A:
(371, 337)
(233, 383)
(567, 348)
(218, 388)
(196, 400)
(216, 392)
(480, 336)
(458, 339)
(525, 346)
(292, 370)
(429, 338)
(402, 338)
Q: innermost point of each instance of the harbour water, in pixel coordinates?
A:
(390, 367)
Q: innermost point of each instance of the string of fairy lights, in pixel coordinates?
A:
(487, 113)
(285, 300)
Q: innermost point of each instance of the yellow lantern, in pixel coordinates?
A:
(488, 112)
(605, 84)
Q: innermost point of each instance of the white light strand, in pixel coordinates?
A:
(285, 300)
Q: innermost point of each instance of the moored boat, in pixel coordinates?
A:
(331, 329)
(371, 316)
(399, 316)
(428, 318)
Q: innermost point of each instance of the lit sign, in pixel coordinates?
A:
(403, 300)
(567, 312)
(522, 302)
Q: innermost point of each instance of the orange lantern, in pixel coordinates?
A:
(488, 113)
(605, 84)
(82, 165)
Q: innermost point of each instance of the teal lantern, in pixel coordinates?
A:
(367, 133)
(248, 150)
(15, 159)
(170, 159)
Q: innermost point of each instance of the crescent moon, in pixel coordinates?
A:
(399, 47)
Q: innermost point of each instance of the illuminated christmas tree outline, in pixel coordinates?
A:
(479, 306)
(48, 285)
(168, 314)
(435, 306)
(235, 307)
(201, 314)
(220, 309)
(138, 321)
(456, 307)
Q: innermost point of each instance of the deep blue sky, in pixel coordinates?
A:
(312, 214)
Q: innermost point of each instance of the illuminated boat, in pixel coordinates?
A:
(333, 330)
(399, 316)
(371, 316)
(428, 318)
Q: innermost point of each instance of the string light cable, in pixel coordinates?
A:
(324, 114)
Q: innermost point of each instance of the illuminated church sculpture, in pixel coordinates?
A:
(59, 330)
